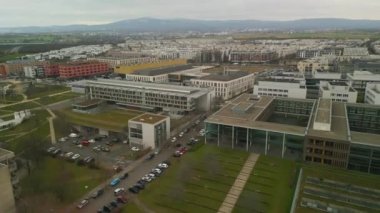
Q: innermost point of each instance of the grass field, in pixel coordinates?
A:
(343, 176)
(114, 120)
(41, 90)
(57, 98)
(196, 182)
(9, 99)
(17, 107)
(269, 188)
(65, 180)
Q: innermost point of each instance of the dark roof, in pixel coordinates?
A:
(163, 70)
(228, 77)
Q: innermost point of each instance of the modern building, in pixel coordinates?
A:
(51, 70)
(337, 91)
(253, 56)
(291, 88)
(18, 118)
(372, 93)
(8, 181)
(177, 100)
(149, 130)
(158, 75)
(117, 61)
(3, 70)
(320, 131)
(317, 64)
(227, 84)
(82, 69)
(359, 79)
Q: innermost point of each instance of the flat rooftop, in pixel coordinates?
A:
(162, 70)
(225, 77)
(323, 111)
(149, 118)
(5, 154)
(164, 88)
(244, 111)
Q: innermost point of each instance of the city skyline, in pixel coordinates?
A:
(46, 13)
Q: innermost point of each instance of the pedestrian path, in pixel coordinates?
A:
(238, 186)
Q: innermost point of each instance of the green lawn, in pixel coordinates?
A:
(269, 188)
(41, 90)
(115, 120)
(196, 182)
(341, 175)
(57, 98)
(17, 107)
(9, 99)
(65, 180)
(8, 57)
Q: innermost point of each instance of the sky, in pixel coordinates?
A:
(15, 13)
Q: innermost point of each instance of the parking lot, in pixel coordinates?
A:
(136, 171)
(106, 152)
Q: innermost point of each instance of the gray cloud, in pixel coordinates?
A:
(62, 12)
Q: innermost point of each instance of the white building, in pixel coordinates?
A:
(291, 88)
(337, 91)
(372, 93)
(30, 71)
(114, 61)
(228, 84)
(18, 118)
(359, 79)
(149, 130)
(317, 64)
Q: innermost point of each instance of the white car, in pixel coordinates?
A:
(62, 139)
(157, 170)
(76, 156)
(146, 178)
(118, 191)
(163, 166)
(181, 134)
(91, 141)
(135, 149)
(151, 175)
(174, 139)
(69, 154)
(82, 204)
(73, 135)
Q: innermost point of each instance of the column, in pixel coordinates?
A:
(266, 142)
(247, 138)
(218, 134)
(283, 145)
(233, 137)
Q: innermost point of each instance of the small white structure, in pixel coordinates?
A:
(149, 130)
(19, 117)
(372, 93)
(337, 91)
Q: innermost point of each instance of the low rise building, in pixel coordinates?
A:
(149, 130)
(18, 118)
(158, 75)
(8, 181)
(227, 84)
(338, 91)
(359, 79)
(318, 64)
(252, 56)
(177, 100)
(114, 61)
(291, 88)
(372, 93)
(82, 69)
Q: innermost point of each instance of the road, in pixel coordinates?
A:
(136, 170)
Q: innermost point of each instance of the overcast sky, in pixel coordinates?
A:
(63, 12)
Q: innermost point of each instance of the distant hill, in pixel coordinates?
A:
(184, 25)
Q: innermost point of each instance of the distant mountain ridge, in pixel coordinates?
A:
(184, 25)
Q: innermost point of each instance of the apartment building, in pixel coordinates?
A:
(317, 64)
(372, 93)
(114, 61)
(252, 56)
(3, 70)
(82, 69)
(337, 91)
(8, 181)
(227, 84)
(359, 79)
(158, 75)
(177, 100)
(149, 130)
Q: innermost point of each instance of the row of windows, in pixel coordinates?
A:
(274, 90)
(272, 94)
(339, 95)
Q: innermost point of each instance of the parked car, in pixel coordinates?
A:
(134, 190)
(75, 157)
(174, 139)
(76, 142)
(56, 152)
(69, 155)
(97, 148)
(85, 143)
(135, 149)
(118, 191)
(121, 199)
(183, 150)
(105, 149)
(156, 171)
(106, 209)
(167, 162)
(97, 193)
(140, 186)
(181, 134)
(91, 140)
(125, 175)
(146, 178)
(115, 181)
(177, 154)
(89, 159)
(117, 168)
(113, 204)
(82, 204)
(51, 149)
(163, 165)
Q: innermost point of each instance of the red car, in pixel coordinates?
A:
(183, 150)
(121, 199)
(85, 143)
